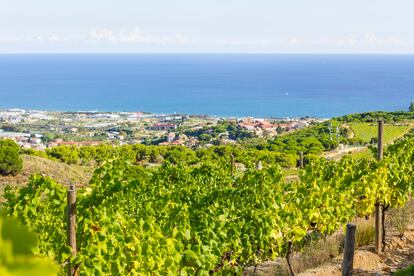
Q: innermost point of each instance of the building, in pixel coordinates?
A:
(170, 137)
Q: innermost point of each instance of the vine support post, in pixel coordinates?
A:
(233, 165)
(301, 160)
(349, 249)
(379, 231)
(380, 153)
(71, 216)
(378, 228)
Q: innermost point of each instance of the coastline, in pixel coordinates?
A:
(39, 129)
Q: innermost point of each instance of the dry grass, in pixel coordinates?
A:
(323, 254)
(365, 231)
(62, 173)
(322, 250)
(318, 251)
(399, 219)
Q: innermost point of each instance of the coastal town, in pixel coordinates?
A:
(36, 129)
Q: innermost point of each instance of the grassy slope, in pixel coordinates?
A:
(367, 131)
(366, 153)
(62, 173)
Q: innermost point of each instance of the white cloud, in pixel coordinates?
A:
(366, 39)
(104, 35)
(238, 43)
(40, 37)
(135, 39)
(135, 36)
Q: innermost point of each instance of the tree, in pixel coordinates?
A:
(10, 160)
(279, 130)
(205, 137)
(411, 108)
(66, 154)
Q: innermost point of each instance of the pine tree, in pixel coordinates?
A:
(10, 160)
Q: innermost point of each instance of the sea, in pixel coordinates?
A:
(228, 85)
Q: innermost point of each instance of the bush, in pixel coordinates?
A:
(66, 154)
(10, 161)
(405, 272)
(356, 141)
(33, 152)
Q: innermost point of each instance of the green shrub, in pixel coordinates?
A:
(33, 152)
(66, 154)
(10, 161)
(405, 272)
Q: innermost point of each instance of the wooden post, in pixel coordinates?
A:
(378, 228)
(378, 207)
(71, 197)
(233, 165)
(301, 160)
(380, 140)
(348, 261)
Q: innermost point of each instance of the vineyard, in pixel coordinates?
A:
(367, 132)
(203, 217)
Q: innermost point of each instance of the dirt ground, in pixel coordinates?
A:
(398, 254)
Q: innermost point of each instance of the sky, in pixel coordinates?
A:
(212, 26)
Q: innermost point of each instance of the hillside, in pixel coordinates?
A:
(61, 172)
(219, 209)
(368, 131)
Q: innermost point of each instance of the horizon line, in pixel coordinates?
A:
(205, 53)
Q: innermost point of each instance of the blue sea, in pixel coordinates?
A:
(261, 85)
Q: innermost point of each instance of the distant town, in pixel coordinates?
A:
(39, 130)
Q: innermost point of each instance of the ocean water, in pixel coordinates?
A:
(215, 84)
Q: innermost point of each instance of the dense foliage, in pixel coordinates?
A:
(146, 155)
(388, 117)
(227, 129)
(199, 218)
(16, 257)
(10, 160)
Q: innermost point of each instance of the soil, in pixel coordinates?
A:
(398, 254)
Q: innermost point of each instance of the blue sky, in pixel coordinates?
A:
(260, 26)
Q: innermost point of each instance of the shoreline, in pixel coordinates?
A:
(153, 114)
